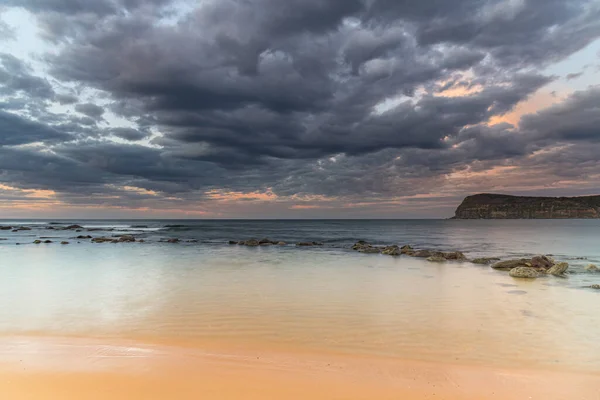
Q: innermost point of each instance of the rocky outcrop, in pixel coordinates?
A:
(499, 206)
(592, 268)
(309, 244)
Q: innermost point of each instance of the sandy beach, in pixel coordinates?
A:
(38, 368)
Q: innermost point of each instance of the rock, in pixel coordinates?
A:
(250, 243)
(391, 251)
(266, 242)
(47, 241)
(102, 240)
(281, 244)
(524, 272)
(172, 240)
(425, 254)
(454, 256)
(64, 242)
(141, 241)
(370, 250)
(597, 287)
(559, 268)
(233, 242)
(541, 262)
(37, 242)
(406, 249)
(436, 259)
(139, 226)
(484, 260)
(72, 227)
(192, 241)
(83, 237)
(591, 268)
(309, 244)
(126, 239)
(5, 228)
(22, 228)
(360, 244)
(510, 264)
(51, 228)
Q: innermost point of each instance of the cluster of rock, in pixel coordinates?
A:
(431, 255)
(269, 242)
(532, 268)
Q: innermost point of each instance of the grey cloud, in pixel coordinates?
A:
(129, 134)
(573, 76)
(91, 110)
(15, 130)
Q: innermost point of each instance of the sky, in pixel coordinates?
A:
(293, 109)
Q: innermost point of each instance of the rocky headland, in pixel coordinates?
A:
(500, 206)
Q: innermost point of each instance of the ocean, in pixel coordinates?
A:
(323, 298)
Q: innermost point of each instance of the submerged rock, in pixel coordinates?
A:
(72, 227)
(370, 250)
(360, 244)
(126, 238)
(485, 260)
(591, 268)
(425, 253)
(233, 242)
(251, 243)
(102, 240)
(510, 264)
(309, 244)
(281, 243)
(22, 228)
(64, 243)
(437, 259)
(559, 268)
(84, 237)
(5, 228)
(524, 272)
(453, 256)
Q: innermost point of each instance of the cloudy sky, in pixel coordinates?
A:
(293, 109)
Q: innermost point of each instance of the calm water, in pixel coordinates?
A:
(314, 298)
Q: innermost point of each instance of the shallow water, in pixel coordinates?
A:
(315, 298)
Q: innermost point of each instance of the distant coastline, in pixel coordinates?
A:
(501, 206)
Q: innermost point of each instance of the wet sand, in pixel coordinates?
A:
(49, 368)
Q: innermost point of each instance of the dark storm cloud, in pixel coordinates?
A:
(15, 130)
(306, 97)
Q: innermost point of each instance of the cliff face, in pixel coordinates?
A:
(499, 206)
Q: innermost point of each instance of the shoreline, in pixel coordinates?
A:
(36, 367)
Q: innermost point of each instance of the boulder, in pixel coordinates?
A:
(5, 228)
(391, 251)
(510, 264)
(591, 268)
(37, 242)
(484, 260)
(251, 243)
(172, 240)
(83, 237)
(437, 259)
(541, 262)
(597, 287)
(64, 242)
(558, 268)
(47, 241)
(266, 242)
(524, 272)
(281, 244)
(233, 242)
